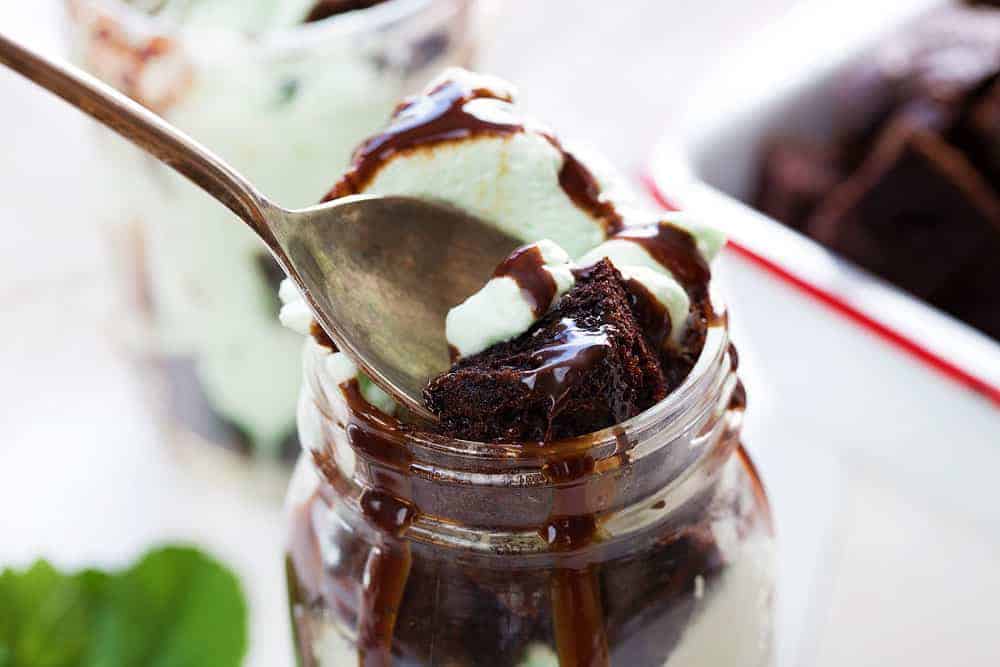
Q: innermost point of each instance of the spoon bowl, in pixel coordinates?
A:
(381, 273)
(378, 273)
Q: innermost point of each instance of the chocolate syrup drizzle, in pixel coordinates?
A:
(526, 266)
(458, 109)
(559, 364)
(577, 611)
(651, 314)
(674, 248)
(389, 561)
(738, 401)
(324, 9)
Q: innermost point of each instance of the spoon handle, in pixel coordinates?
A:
(144, 129)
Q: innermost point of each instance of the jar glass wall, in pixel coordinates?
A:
(286, 108)
(647, 544)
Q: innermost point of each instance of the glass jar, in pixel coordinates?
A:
(286, 108)
(647, 544)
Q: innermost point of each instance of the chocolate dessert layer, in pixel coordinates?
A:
(491, 617)
(910, 186)
(585, 366)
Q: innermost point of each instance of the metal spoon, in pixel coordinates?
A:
(378, 273)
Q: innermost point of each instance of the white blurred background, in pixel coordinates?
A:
(888, 564)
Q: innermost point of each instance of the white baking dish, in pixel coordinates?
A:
(822, 383)
(783, 81)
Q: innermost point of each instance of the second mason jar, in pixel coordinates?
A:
(644, 545)
(285, 107)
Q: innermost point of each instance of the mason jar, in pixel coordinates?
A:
(286, 108)
(647, 544)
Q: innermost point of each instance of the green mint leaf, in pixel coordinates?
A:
(176, 607)
(45, 616)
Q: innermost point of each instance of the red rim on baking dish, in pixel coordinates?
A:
(948, 346)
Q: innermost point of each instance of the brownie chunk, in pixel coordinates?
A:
(909, 185)
(796, 175)
(942, 58)
(584, 366)
(916, 212)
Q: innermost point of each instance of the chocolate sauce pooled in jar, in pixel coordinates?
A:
(415, 549)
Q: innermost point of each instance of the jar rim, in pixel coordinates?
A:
(616, 473)
(370, 19)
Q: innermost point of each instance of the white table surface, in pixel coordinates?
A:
(85, 479)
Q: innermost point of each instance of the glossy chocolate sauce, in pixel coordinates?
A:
(651, 314)
(676, 249)
(573, 352)
(456, 110)
(526, 266)
(576, 351)
(441, 116)
(577, 612)
(386, 573)
(324, 9)
(579, 183)
(580, 616)
(321, 337)
(366, 431)
(738, 401)
(388, 564)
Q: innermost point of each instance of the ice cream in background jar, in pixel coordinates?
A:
(283, 90)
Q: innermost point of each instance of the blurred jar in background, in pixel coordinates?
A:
(283, 90)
